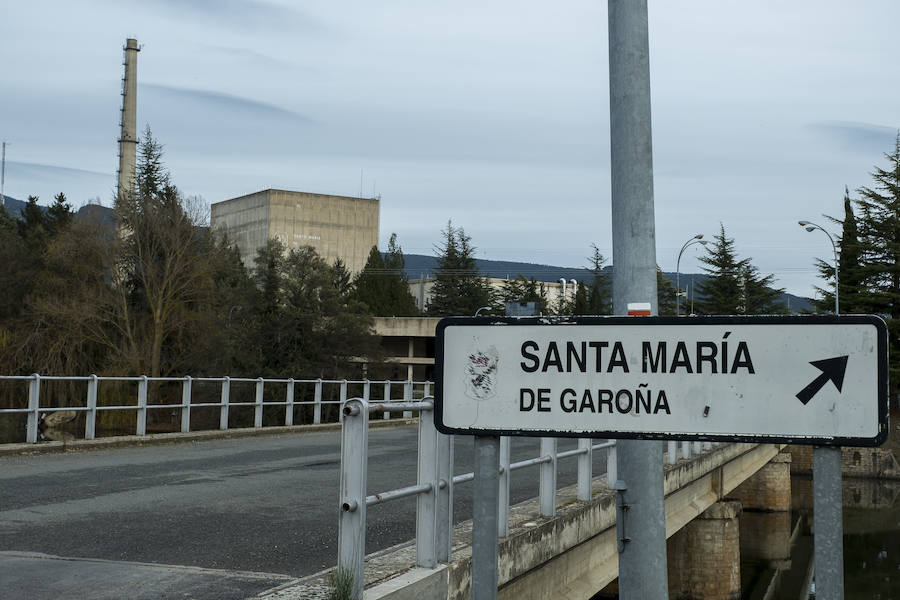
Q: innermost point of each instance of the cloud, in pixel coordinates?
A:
(28, 169)
(253, 57)
(245, 14)
(227, 102)
(855, 135)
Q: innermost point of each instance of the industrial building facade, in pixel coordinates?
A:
(336, 226)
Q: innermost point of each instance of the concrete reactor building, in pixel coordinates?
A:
(336, 226)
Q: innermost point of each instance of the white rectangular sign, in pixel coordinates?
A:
(812, 379)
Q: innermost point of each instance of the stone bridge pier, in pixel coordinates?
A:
(752, 524)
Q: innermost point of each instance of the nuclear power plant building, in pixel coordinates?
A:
(336, 226)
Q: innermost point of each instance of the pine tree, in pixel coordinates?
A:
(878, 223)
(60, 214)
(401, 302)
(852, 282)
(599, 291)
(734, 287)
(721, 293)
(665, 294)
(33, 227)
(524, 289)
(760, 298)
(458, 289)
(382, 284)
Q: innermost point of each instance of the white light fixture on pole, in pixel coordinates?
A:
(697, 239)
(812, 227)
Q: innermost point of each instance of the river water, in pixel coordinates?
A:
(871, 545)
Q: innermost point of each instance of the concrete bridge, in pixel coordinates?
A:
(260, 520)
(712, 500)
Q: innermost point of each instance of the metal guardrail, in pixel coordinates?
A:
(34, 410)
(435, 482)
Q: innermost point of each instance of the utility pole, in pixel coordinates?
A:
(641, 519)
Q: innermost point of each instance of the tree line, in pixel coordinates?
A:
(731, 286)
(159, 294)
(162, 295)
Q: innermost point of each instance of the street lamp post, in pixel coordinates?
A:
(697, 239)
(812, 227)
(828, 530)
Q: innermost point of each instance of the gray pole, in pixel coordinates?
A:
(642, 560)
(485, 536)
(828, 530)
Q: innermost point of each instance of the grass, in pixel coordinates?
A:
(341, 583)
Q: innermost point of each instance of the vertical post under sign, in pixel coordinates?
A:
(641, 522)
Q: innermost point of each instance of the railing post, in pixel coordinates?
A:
(387, 398)
(672, 452)
(367, 390)
(426, 517)
(186, 404)
(426, 391)
(142, 406)
(685, 450)
(503, 496)
(343, 400)
(34, 403)
(698, 448)
(548, 478)
(90, 421)
(352, 521)
(317, 403)
(226, 396)
(289, 407)
(584, 468)
(258, 408)
(444, 501)
(407, 397)
(612, 466)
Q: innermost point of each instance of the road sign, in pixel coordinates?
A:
(799, 379)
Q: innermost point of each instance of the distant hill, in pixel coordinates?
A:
(89, 212)
(419, 265)
(13, 207)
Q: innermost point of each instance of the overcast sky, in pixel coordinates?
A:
(494, 114)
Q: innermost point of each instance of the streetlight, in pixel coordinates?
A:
(697, 239)
(828, 532)
(812, 227)
(487, 308)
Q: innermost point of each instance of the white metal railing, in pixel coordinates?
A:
(435, 482)
(383, 391)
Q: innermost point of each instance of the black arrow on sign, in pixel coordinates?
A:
(833, 369)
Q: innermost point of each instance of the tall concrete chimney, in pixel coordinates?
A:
(128, 138)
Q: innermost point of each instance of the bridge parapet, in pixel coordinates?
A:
(572, 554)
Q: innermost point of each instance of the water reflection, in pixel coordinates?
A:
(871, 541)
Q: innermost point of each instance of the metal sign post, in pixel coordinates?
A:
(485, 536)
(642, 560)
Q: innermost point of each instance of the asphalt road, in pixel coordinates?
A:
(261, 504)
